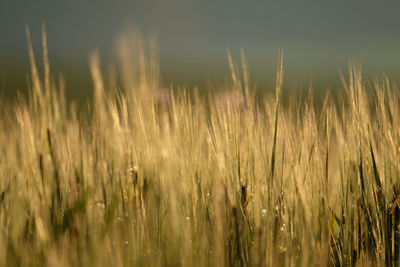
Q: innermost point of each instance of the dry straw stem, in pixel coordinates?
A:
(278, 93)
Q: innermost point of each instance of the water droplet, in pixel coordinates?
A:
(263, 212)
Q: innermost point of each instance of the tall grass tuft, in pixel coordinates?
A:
(152, 177)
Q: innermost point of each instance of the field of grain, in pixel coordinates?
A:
(147, 177)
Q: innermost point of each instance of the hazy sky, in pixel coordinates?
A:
(317, 36)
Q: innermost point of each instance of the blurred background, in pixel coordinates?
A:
(317, 37)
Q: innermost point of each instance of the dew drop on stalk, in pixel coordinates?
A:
(263, 212)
